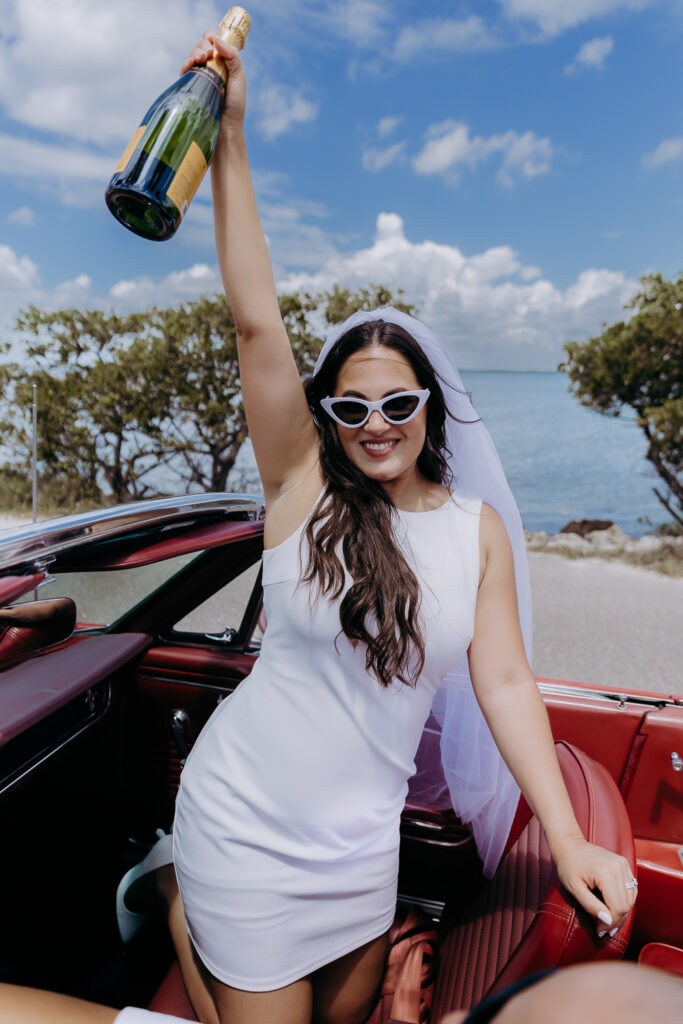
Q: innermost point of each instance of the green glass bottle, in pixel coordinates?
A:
(165, 161)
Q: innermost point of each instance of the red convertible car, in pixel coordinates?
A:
(121, 629)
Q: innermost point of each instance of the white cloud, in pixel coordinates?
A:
(449, 148)
(20, 286)
(178, 286)
(494, 310)
(17, 273)
(553, 16)
(281, 107)
(592, 54)
(24, 216)
(667, 151)
(468, 35)
(293, 241)
(387, 125)
(362, 22)
(377, 159)
(75, 174)
(80, 75)
(88, 70)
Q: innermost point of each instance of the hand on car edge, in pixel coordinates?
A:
(584, 867)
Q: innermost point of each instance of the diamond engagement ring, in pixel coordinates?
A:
(632, 884)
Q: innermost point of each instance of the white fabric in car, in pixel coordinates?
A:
(135, 1015)
(286, 833)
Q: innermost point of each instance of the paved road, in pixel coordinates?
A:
(594, 621)
(607, 622)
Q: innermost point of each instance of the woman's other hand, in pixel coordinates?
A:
(583, 868)
(209, 46)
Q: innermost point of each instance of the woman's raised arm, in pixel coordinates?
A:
(280, 425)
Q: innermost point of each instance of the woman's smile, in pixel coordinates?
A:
(379, 448)
(382, 450)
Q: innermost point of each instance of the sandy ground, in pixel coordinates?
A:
(606, 622)
(599, 622)
(7, 522)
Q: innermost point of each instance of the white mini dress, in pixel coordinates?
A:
(286, 833)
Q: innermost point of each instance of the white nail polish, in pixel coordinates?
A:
(613, 933)
(601, 935)
(605, 917)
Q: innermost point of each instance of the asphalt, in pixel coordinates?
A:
(594, 621)
(607, 623)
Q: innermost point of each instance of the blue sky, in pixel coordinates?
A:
(514, 165)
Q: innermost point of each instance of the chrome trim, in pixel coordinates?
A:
(622, 700)
(36, 541)
(180, 725)
(422, 824)
(433, 908)
(450, 844)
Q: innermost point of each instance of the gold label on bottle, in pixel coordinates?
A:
(129, 149)
(217, 64)
(187, 178)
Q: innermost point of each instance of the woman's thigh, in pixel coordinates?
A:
(345, 990)
(291, 1004)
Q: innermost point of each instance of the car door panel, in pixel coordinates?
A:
(595, 725)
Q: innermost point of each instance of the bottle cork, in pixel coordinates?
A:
(233, 29)
(235, 26)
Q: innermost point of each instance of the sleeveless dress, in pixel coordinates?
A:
(286, 832)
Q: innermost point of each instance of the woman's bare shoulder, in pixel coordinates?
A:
(494, 543)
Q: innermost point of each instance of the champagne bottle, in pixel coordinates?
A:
(165, 161)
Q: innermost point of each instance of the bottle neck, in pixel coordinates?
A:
(217, 64)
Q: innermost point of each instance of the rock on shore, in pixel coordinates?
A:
(664, 554)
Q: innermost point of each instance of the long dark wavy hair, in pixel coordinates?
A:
(381, 608)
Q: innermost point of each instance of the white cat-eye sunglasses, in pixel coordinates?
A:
(355, 412)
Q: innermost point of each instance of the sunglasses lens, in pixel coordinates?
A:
(400, 408)
(350, 412)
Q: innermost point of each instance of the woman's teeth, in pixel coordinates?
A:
(378, 446)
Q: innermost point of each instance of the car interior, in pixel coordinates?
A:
(114, 652)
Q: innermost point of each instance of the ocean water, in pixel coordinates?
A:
(562, 460)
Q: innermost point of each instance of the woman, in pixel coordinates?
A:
(378, 581)
(286, 832)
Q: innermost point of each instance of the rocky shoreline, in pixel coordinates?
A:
(587, 538)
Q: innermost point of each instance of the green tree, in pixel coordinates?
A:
(340, 303)
(91, 411)
(639, 363)
(126, 402)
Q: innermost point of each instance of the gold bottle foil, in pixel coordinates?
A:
(235, 26)
(234, 29)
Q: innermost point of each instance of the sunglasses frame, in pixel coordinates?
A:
(370, 407)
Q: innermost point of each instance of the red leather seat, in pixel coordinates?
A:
(666, 957)
(26, 629)
(523, 920)
(171, 996)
